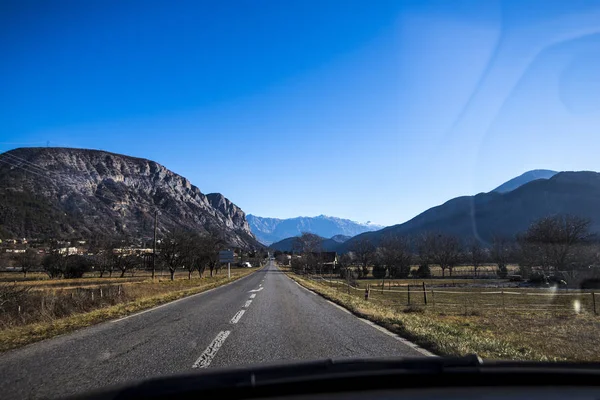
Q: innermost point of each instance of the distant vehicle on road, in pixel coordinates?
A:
(246, 265)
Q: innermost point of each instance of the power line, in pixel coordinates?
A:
(23, 160)
(26, 170)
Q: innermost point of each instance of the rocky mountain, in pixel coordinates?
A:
(504, 214)
(525, 178)
(330, 244)
(271, 230)
(66, 193)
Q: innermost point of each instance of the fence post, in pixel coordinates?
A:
(92, 294)
(594, 302)
(408, 292)
(119, 290)
(367, 292)
(502, 295)
(100, 292)
(433, 297)
(424, 294)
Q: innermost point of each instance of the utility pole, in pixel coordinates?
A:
(154, 245)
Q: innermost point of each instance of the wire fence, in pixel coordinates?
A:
(514, 299)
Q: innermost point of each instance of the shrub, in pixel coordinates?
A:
(422, 272)
(538, 278)
(76, 267)
(379, 271)
(399, 273)
(53, 265)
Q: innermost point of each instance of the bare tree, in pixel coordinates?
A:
(103, 261)
(395, 254)
(446, 251)
(124, 262)
(425, 249)
(28, 261)
(307, 243)
(345, 262)
(364, 251)
(476, 254)
(309, 246)
(170, 251)
(209, 246)
(558, 242)
(500, 253)
(55, 263)
(552, 242)
(189, 251)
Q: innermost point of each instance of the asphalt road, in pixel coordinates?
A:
(263, 318)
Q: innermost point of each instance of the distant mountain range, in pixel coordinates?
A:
(505, 212)
(271, 230)
(525, 178)
(70, 193)
(331, 244)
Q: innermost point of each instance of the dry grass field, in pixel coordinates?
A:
(38, 309)
(515, 323)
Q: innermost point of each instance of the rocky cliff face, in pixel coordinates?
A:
(77, 193)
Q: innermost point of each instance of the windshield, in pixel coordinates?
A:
(197, 184)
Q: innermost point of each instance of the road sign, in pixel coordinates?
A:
(226, 256)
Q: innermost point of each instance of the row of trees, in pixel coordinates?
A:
(556, 243)
(177, 250)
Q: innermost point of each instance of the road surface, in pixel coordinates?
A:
(264, 317)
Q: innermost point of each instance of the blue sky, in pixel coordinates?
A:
(368, 110)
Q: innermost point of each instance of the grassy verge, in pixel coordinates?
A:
(491, 333)
(146, 296)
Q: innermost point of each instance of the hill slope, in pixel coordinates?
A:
(330, 244)
(60, 192)
(523, 179)
(505, 214)
(270, 230)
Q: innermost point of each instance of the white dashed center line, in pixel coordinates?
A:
(211, 351)
(237, 316)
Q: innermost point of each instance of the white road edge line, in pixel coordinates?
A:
(178, 300)
(338, 306)
(237, 317)
(308, 290)
(398, 338)
(248, 302)
(374, 325)
(253, 295)
(211, 351)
